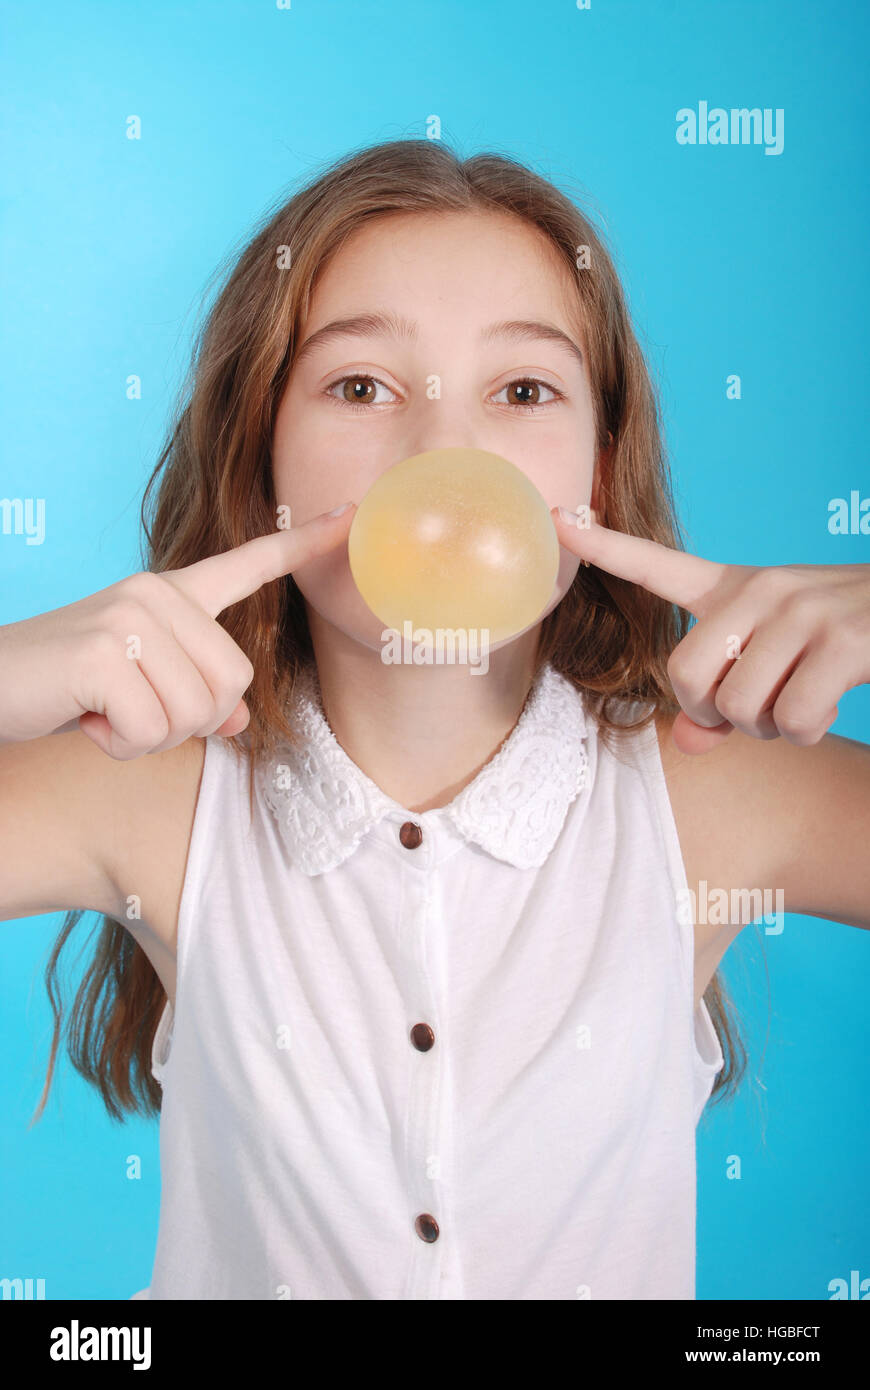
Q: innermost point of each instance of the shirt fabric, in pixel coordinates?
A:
(464, 1068)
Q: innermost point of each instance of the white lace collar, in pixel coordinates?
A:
(514, 808)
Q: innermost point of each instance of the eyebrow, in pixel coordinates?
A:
(386, 325)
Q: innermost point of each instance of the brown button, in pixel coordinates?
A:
(426, 1227)
(411, 835)
(422, 1037)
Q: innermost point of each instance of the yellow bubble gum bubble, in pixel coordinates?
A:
(455, 538)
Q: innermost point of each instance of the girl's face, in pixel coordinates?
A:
(450, 368)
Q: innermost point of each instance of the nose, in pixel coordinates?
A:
(443, 421)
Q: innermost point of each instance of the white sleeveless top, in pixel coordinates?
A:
(448, 1055)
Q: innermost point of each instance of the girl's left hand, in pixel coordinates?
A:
(773, 648)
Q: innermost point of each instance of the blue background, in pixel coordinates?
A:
(733, 261)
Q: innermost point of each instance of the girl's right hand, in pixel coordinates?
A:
(142, 665)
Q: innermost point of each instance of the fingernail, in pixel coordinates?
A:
(571, 517)
(337, 511)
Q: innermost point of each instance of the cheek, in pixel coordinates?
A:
(562, 473)
(319, 461)
(299, 478)
(568, 567)
(327, 585)
(573, 483)
(300, 489)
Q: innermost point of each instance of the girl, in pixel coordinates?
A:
(403, 951)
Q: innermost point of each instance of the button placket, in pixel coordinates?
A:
(450, 1281)
(424, 945)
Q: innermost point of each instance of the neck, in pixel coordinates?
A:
(421, 733)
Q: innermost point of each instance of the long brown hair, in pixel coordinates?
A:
(212, 488)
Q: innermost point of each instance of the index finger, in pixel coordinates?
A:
(674, 575)
(219, 581)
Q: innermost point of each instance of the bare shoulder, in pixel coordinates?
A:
(771, 813)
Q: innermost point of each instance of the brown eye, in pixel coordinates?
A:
(358, 391)
(357, 395)
(523, 393)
